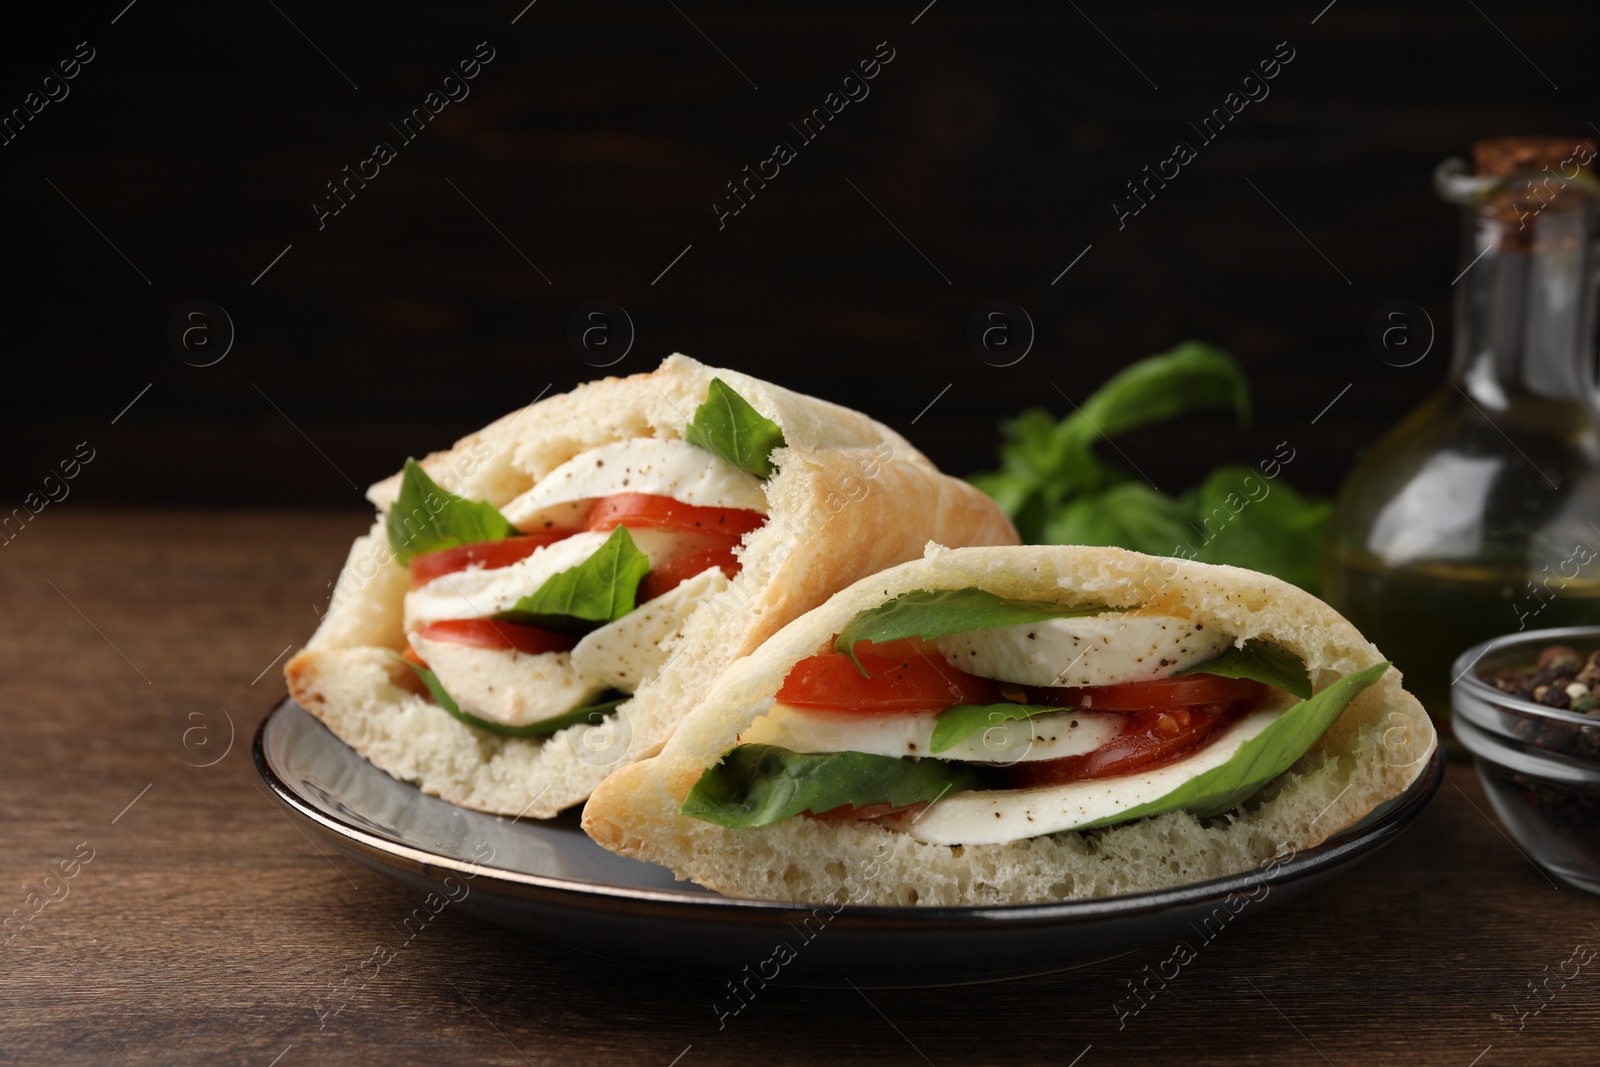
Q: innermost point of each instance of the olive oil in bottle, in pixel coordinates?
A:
(1424, 616)
(1479, 514)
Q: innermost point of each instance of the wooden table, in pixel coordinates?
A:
(205, 925)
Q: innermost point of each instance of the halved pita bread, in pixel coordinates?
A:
(1377, 748)
(850, 497)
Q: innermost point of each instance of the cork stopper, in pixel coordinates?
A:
(1538, 184)
(1502, 156)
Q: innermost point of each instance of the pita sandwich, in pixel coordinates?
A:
(1007, 725)
(542, 603)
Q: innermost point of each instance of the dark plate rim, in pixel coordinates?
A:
(1307, 863)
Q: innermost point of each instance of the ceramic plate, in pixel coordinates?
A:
(549, 879)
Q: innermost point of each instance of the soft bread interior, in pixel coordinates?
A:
(1376, 749)
(850, 497)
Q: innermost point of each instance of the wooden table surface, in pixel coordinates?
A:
(201, 926)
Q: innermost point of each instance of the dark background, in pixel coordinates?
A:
(597, 140)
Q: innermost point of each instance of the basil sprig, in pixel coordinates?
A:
(590, 713)
(426, 517)
(755, 785)
(727, 425)
(930, 613)
(601, 589)
(1055, 484)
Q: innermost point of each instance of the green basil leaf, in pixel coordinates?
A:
(1058, 490)
(426, 517)
(933, 613)
(1128, 515)
(727, 425)
(601, 589)
(1192, 376)
(1260, 759)
(1248, 520)
(755, 785)
(954, 725)
(591, 713)
(1044, 462)
(1013, 491)
(1260, 661)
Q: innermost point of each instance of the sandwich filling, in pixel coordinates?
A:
(959, 717)
(551, 610)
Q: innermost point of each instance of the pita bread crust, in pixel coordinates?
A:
(1377, 748)
(851, 497)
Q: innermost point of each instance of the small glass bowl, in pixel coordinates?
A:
(1539, 765)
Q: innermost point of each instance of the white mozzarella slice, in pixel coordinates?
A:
(506, 686)
(476, 593)
(625, 653)
(1044, 737)
(1105, 649)
(641, 465)
(996, 816)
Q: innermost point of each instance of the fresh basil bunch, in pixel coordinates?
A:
(1059, 491)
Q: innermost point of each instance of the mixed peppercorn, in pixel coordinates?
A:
(1562, 678)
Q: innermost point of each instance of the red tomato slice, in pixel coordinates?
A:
(1151, 739)
(489, 633)
(680, 569)
(830, 682)
(647, 511)
(1159, 695)
(487, 554)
